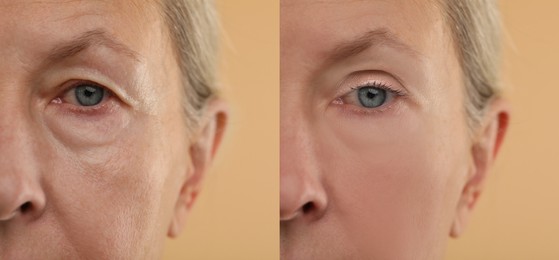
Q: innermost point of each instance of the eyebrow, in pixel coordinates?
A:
(86, 40)
(367, 40)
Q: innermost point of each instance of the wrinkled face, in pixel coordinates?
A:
(93, 143)
(374, 140)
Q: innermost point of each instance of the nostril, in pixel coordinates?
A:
(308, 207)
(25, 207)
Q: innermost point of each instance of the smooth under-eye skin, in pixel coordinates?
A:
(379, 180)
(106, 180)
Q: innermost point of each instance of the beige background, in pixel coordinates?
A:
(518, 217)
(236, 216)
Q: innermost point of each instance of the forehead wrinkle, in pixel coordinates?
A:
(90, 38)
(369, 39)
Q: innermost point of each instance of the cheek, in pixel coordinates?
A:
(397, 175)
(113, 193)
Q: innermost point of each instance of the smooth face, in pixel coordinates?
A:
(375, 148)
(95, 181)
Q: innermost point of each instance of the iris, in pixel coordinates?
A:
(89, 95)
(371, 97)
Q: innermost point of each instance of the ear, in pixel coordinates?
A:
(203, 148)
(485, 147)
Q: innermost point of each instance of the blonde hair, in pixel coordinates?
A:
(193, 30)
(476, 30)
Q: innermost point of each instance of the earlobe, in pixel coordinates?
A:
(202, 151)
(484, 149)
(465, 206)
(187, 196)
(177, 222)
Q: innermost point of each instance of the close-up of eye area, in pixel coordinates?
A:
(84, 94)
(371, 96)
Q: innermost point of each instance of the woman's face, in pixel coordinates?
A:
(375, 151)
(94, 149)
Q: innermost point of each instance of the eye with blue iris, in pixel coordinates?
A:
(372, 97)
(85, 95)
(88, 94)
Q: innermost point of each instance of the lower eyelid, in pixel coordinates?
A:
(351, 110)
(106, 106)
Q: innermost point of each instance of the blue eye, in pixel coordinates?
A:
(372, 97)
(89, 94)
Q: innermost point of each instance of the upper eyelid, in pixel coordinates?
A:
(78, 82)
(58, 78)
(375, 84)
(371, 77)
(106, 84)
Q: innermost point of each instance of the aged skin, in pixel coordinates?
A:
(388, 179)
(105, 181)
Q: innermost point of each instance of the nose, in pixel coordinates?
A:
(301, 197)
(302, 192)
(21, 194)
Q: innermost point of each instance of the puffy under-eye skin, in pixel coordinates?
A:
(81, 121)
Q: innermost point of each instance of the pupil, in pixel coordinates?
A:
(370, 95)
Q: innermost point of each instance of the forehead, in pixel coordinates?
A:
(33, 24)
(322, 25)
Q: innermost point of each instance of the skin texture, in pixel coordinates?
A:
(104, 182)
(392, 182)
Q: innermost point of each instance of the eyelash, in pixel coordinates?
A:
(71, 85)
(380, 85)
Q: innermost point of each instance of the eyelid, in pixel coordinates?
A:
(392, 93)
(371, 78)
(374, 83)
(73, 84)
(114, 90)
(380, 85)
(62, 80)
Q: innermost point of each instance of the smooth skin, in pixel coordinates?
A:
(390, 182)
(109, 181)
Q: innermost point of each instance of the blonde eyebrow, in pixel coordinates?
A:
(368, 40)
(86, 40)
